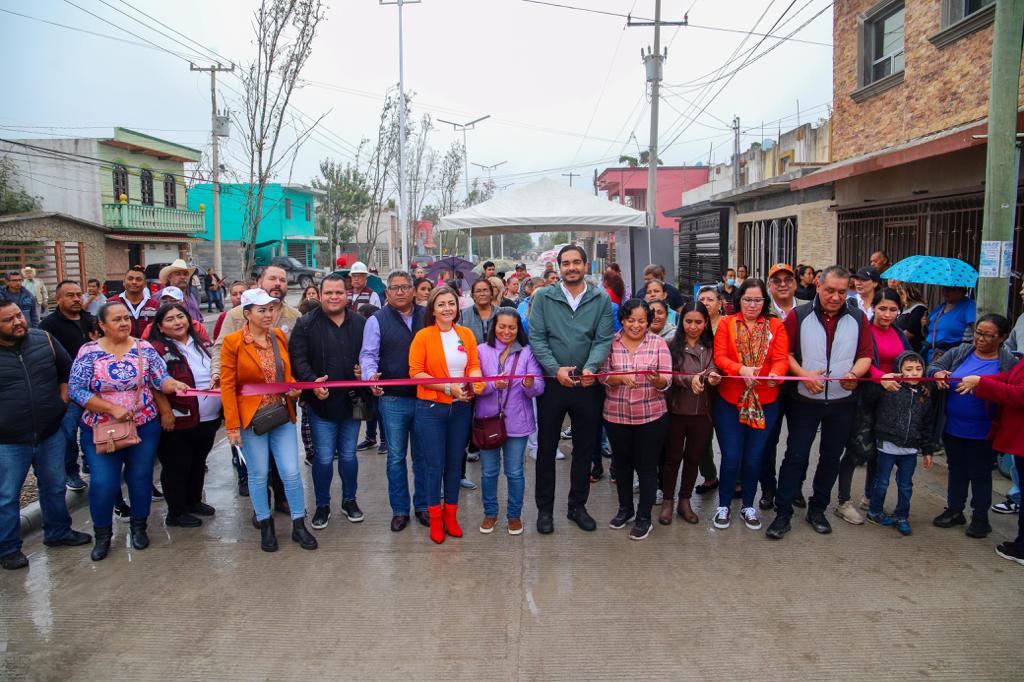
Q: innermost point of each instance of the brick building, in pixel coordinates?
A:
(911, 90)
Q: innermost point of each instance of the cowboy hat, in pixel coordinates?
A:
(178, 264)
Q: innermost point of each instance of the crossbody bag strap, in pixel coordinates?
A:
(278, 363)
(142, 374)
(508, 391)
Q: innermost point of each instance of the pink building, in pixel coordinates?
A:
(628, 186)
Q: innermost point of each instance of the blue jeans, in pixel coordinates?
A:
(803, 417)
(214, 298)
(330, 437)
(1014, 493)
(443, 431)
(47, 459)
(397, 413)
(742, 448)
(905, 465)
(257, 451)
(69, 427)
(105, 469)
(490, 462)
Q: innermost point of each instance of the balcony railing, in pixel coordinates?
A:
(137, 217)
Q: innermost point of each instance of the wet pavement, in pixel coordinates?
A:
(690, 602)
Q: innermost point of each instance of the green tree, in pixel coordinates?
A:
(548, 240)
(13, 198)
(346, 198)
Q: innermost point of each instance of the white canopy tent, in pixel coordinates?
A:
(549, 206)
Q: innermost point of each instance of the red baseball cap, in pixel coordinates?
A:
(781, 267)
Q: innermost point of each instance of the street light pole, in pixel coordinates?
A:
(489, 170)
(403, 223)
(465, 163)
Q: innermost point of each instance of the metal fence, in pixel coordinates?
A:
(948, 226)
(766, 242)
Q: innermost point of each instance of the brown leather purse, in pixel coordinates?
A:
(111, 436)
(489, 432)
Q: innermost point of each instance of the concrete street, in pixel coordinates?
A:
(690, 602)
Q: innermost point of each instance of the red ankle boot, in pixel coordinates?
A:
(436, 526)
(451, 523)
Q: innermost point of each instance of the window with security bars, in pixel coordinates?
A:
(120, 178)
(146, 186)
(170, 191)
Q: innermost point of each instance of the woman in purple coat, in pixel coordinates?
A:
(507, 351)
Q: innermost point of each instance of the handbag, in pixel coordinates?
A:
(489, 432)
(269, 417)
(111, 436)
(362, 409)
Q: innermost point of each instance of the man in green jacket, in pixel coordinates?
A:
(571, 336)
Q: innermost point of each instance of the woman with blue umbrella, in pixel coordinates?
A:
(952, 322)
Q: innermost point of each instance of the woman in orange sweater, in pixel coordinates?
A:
(444, 412)
(750, 343)
(257, 354)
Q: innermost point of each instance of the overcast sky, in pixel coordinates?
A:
(564, 89)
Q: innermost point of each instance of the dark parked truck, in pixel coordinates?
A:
(297, 273)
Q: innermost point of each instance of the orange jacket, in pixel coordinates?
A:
(240, 365)
(727, 358)
(426, 355)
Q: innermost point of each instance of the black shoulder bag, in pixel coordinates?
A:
(269, 417)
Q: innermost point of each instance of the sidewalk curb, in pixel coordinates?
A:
(32, 513)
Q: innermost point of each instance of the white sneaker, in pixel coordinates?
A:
(659, 497)
(636, 484)
(865, 503)
(1007, 507)
(722, 518)
(751, 518)
(559, 455)
(847, 512)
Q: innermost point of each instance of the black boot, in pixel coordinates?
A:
(102, 547)
(140, 539)
(301, 535)
(268, 539)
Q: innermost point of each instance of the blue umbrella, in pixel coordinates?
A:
(947, 272)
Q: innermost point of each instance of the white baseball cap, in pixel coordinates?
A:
(358, 268)
(173, 292)
(256, 297)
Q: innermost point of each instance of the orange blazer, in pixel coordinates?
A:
(240, 365)
(426, 355)
(727, 358)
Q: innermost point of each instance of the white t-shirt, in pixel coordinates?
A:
(199, 363)
(456, 359)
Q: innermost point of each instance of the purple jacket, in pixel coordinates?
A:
(519, 420)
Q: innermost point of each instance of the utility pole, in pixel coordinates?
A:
(570, 175)
(1001, 160)
(736, 152)
(654, 61)
(403, 222)
(465, 164)
(218, 128)
(501, 239)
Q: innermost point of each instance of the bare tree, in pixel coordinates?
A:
(284, 32)
(423, 167)
(381, 171)
(447, 185)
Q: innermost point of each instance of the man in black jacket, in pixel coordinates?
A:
(33, 391)
(324, 346)
(69, 324)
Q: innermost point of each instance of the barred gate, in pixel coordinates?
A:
(54, 261)
(766, 242)
(948, 227)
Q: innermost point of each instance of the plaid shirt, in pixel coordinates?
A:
(623, 405)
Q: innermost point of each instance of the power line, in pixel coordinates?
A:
(148, 46)
(729, 80)
(139, 21)
(106, 21)
(687, 24)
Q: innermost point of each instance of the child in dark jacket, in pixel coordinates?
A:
(904, 428)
